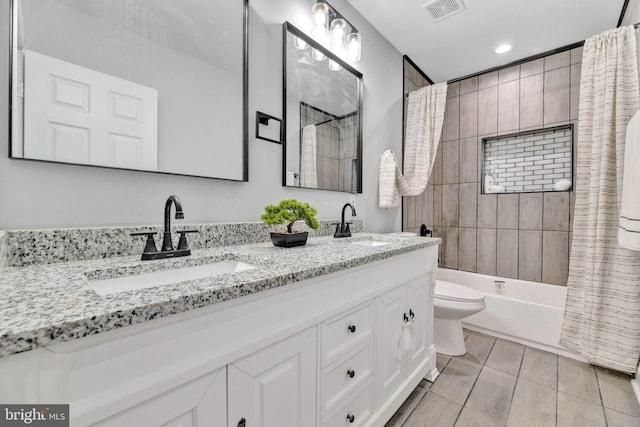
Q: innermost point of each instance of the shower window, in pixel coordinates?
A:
(531, 161)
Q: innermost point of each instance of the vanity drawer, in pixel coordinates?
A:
(356, 412)
(342, 378)
(346, 331)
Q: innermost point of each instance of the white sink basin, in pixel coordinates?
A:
(370, 243)
(166, 277)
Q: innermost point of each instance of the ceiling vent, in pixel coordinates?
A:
(441, 9)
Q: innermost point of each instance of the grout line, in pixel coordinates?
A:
(408, 415)
(513, 393)
(604, 413)
(476, 380)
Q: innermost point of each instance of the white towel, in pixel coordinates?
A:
(494, 189)
(387, 188)
(562, 185)
(629, 227)
(308, 175)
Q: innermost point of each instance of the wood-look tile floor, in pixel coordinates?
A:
(501, 383)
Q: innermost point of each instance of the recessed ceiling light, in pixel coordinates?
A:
(503, 48)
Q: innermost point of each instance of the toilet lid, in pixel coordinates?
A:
(454, 292)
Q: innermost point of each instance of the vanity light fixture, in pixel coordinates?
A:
(334, 32)
(503, 48)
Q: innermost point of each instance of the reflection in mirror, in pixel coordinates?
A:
(322, 109)
(133, 84)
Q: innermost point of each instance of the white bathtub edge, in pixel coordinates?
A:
(551, 349)
(636, 389)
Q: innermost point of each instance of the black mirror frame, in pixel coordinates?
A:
(287, 27)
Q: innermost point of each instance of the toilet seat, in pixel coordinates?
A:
(454, 292)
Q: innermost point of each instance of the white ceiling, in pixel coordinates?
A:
(463, 43)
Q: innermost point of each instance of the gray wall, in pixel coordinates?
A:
(524, 236)
(42, 195)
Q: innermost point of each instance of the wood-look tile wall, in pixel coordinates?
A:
(527, 235)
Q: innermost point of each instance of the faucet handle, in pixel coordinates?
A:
(182, 243)
(337, 232)
(150, 245)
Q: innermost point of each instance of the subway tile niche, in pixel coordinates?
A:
(530, 161)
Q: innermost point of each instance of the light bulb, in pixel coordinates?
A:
(338, 29)
(354, 47)
(338, 47)
(333, 65)
(317, 55)
(300, 44)
(320, 12)
(321, 34)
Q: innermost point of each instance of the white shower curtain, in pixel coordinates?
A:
(425, 114)
(602, 314)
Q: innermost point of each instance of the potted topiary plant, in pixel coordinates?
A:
(288, 212)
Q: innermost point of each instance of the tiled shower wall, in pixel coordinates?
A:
(336, 148)
(527, 235)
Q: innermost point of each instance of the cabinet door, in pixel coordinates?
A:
(418, 305)
(276, 386)
(201, 402)
(390, 365)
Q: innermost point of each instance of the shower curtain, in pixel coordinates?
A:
(425, 114)
(602, 313)
(308, 173)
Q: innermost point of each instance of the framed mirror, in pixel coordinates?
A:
(322, 110)
(131, 84)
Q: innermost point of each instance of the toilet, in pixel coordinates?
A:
(453, 302)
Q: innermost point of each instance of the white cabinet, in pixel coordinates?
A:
(328, 351)
(276, 386)
(201, 402)
(403, 319)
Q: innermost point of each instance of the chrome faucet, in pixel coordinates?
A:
(166, 239)
(150, 251)
(342, 229)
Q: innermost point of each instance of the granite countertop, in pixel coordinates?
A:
(47, 304)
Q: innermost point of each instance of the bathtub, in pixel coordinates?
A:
(528, 313)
